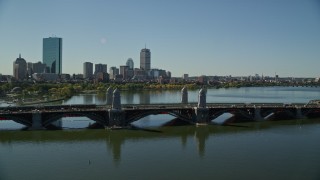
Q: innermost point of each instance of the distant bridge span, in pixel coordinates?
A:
(40, 117)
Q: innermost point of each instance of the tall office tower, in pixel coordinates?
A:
(130, 63)
(87, 70)
(124, 71)
(145, 59)
(113, 71)
(52, 54)
(100, 68)
(20, 68)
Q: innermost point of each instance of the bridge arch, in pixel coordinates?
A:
(267, 112)
(132, 117)
(92, 116)
(19, 120)
(245, 113)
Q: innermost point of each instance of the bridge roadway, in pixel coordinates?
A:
(41, 117)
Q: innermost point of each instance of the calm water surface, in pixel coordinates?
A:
(261, 150)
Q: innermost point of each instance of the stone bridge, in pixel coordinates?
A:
(118, 115)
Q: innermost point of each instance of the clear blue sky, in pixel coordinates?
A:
(210, 37)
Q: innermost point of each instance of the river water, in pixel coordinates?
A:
(255, 150)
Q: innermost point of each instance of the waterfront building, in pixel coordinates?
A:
(130, 63)
(87, 70)
(130, 73)
(65, 77)
(169, 74)
(47, 77)
(20, 68)
(37, 67)
(139, 74)
(101, 77)
(202, 79)
(124, 71)
(156, 73)
(113, 71)
(52, 54)
(185, 77)
(100, 68)
(145, 59)
(29, 68)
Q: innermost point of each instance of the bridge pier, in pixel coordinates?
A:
(116, 118)
(257, 114)
(184, 95)
(109, 96)
(201, 116)
(116, 114)
(201, 113)
(36, 121)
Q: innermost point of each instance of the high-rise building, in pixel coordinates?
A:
(113, 72)
(100, 68)
(38, 67)
(124, 71)
(169, 74)
(130, 63)
(52, 54)
(20, 68)
(87, 70)
(145, 59)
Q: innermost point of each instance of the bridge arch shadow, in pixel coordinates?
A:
(275, 114)
(14, 122)
(222, 118)
(157, 117)
(91, 118)
(9, 124)
(225, 116)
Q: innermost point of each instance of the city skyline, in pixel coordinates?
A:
(237, 38)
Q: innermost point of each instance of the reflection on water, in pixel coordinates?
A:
(116, 138)
(260, 150)
(284, 149)
(236, 95)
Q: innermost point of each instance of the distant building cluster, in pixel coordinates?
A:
(50, 69)
(127, 72)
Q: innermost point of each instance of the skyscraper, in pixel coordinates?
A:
(20, 68)
(100, 68)
(87, 70)
(130, 63)
(113, 72)
(124, 71)
(145, 59)
(52, 54)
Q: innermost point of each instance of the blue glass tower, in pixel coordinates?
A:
(52, 54)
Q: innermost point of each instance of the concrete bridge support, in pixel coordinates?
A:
(202, 98)
(116, 114)
(201, 115)
(184, 95)
(257, 114)
(36, 121)
(109, 96)
(116, 118)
